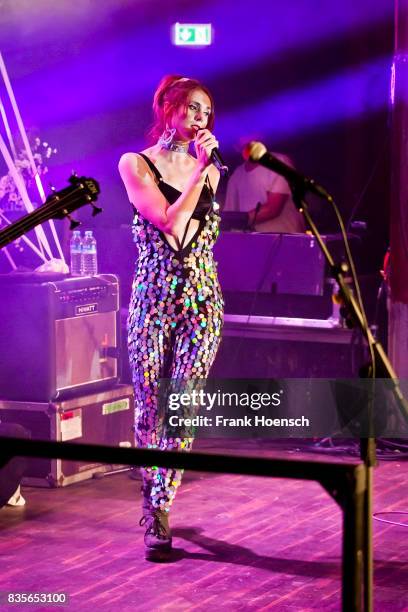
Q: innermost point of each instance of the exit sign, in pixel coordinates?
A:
(197, 34)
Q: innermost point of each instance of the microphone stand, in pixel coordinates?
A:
(299, 187)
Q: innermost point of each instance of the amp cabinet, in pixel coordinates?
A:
(281, 347)
(59, 337)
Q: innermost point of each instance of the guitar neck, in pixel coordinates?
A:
(20, 227)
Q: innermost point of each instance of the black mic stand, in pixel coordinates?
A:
(381, 366)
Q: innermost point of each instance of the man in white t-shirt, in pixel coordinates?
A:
(265, 196)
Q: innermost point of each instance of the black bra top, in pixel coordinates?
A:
(205, 201)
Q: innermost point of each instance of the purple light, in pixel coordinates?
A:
(392, 88)
(353, 93)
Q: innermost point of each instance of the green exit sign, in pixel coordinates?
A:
(197, 34)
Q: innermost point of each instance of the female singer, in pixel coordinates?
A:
(176, 308)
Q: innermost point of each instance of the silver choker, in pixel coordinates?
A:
(178, 147)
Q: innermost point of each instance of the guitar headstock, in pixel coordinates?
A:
(58, 205)
(81, 191)
(85, 185)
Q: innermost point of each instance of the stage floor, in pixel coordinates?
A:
(240, 543)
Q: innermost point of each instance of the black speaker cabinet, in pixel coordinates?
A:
(278, 347)
(58, 337)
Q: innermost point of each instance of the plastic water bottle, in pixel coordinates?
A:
(89, 255)
(75, 250)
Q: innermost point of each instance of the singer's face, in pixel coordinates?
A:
(192, 116)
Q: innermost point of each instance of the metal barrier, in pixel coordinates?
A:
(345, 482)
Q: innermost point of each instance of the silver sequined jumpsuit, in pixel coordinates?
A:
(174, 327)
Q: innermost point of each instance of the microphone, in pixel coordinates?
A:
(219, 162)
(216, 159)
(258, 153)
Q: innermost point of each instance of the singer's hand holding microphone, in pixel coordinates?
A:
(206, 146)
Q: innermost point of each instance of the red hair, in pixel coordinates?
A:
(174, 90)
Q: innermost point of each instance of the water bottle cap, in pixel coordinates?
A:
(77, 232)
(88, 233)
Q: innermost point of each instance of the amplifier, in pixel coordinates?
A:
(60, 337)
(280, 347)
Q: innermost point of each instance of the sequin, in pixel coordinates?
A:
(174, 326)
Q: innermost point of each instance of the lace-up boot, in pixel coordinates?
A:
(157, 538)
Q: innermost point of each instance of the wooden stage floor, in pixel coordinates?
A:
(241, 543)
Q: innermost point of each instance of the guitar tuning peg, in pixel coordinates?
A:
(73, 223)
(74, 173)
(96, 210)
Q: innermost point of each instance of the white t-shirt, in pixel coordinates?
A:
(250, 184)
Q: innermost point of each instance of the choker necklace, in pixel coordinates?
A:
(178, 147)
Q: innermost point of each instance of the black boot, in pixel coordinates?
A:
(157, 538)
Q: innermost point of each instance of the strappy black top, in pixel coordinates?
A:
(205, 201)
